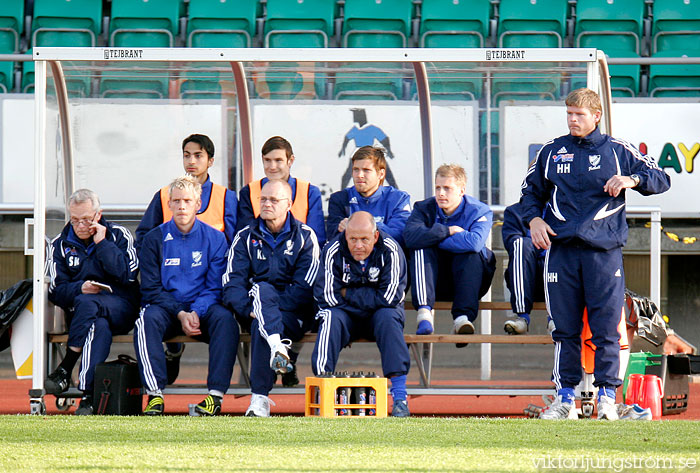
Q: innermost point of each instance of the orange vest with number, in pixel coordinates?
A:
(213, 215)
(300, 206)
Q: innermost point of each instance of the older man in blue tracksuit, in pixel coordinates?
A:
(579, 181)
(360, 292)
(272, 265)
(389, 206)
(449, 259)
(183, 261)
(91, 251)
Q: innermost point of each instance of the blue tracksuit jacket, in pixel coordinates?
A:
(390, 207)
(566, 183)
(429, 226)
(154, 213)
(289, 262)
(182, 271)
(315, 220)
(113, 261)
(378, 282)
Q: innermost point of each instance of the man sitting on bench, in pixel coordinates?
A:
(447, 236)
(360, 292)
(272, 265)
(93, 268)
(182, 262)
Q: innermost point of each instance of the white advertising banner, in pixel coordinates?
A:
(666, 131)
(121, 150)
(325, 136)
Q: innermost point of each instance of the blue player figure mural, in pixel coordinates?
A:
(364, 134)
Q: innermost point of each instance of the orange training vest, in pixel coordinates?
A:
(300, 206)
(213, 215)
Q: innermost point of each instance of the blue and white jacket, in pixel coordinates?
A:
(377, 282)
(389, 206)
(428, 226)
(289, 261)
(182, 271)
(566, 183)
(112, 261)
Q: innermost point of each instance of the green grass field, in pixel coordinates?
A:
(169, 444)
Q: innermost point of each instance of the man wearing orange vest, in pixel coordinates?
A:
(218, 210)
(278, 157)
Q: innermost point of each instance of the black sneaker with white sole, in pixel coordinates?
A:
(57, 382)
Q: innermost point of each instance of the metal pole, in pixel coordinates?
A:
(655, 267)
(426, 130)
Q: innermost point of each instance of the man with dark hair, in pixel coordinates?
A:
(218, 210)
(447, 237)
(277, 158)
(93, 268)
(269, 279)
(360, 292)
(183, 261)
(389, 206)
(573, 202)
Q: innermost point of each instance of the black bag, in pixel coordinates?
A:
(118, 387)
(13, 301)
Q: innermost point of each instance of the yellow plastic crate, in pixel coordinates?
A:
(321, 397)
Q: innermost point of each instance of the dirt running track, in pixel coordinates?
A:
(15, 398)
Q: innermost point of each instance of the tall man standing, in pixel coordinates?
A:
(389, 206)
(579, 181)
(93, 268)
(183, 261)
(447, 235)
(360, 293)
(269, 278)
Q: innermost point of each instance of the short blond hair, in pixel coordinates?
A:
(453, 170)
(584, 98)
(186, 183)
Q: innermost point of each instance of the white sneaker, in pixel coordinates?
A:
(633, 412)
(607, 409)
(515, 326)
(279, 357)
(463, 326)
(259, 406)
(558, 410)
(425, 321)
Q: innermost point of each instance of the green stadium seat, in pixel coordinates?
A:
(676, 26)
(11, 25)
(204, 84)
(278, 83)
(532, 85)
(221, 23)
(363, 85)
(144, 23)
(27, 84)
(148, 85)
(78, 85)
(609, 25)
(66, 23)
(7, 80)
(454, 23)
(452, 81)
(299, 24)
(377, 23)
(532, 23)
(674, 80)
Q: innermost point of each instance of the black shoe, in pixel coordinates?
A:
(210, 406)
(289, 380)
(85, 407)
(172, 364)
(155, 406)
(57, 382)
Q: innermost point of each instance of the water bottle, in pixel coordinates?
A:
(343, 398)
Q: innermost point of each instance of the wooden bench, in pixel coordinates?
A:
(421, 347)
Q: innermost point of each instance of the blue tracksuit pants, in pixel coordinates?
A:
(96, 317)
(459, 277)
(269, 319)
(339, 328)
(578, 277)
(219, 330)
(524, 274)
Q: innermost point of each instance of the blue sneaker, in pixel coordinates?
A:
(400, 408)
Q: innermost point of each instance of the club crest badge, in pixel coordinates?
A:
(594, 160)
(196, 258)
